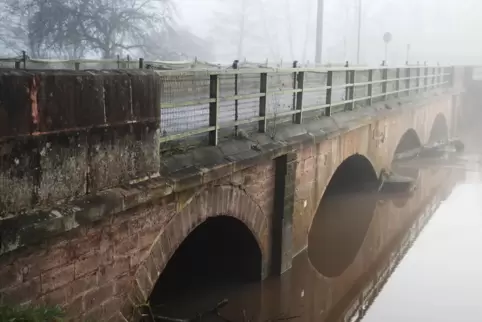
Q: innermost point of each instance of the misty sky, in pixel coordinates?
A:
(438, 30)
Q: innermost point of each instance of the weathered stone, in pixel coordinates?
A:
(18, 101)
(63, 167)
(19, 170)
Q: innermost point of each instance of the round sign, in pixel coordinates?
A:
(387, 37)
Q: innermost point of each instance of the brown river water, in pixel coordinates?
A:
(378, 258)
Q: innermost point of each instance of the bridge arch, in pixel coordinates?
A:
(440, 130)
(410, 141)
(343, 216)
(221, 230)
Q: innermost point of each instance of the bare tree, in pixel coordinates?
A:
(237, 27)
(71, 28)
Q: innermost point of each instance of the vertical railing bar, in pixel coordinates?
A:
(347, 81)
(77, 65)
(425, 88)
(370, 87)
(299, 98)
(352, 89)
(419, 74)
(141, 63)
(408, 74)
(263, 89)
(295, 86)
(385, 83)
(236, 102)
(24, 59)
(397, 84)
(329, 91)
(214, 109)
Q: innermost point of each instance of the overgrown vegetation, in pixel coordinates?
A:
(30, 313)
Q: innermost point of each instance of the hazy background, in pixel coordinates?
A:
(444, 31)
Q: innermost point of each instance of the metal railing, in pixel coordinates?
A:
(25, 62)
(194, 103)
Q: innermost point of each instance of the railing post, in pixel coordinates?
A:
(347, 81)
(236, 92)
(77, 65)
(419, 74)
(397, 84)
(299, 98)
(329, 91)
(439, 81)
(24, 59)
(295, 86)
(262, 102)
(426, 77)
(352, 90)
(141, 63)
(384, 84)
(370, 87)
(452, 77)
(214, 108)
(408, 81)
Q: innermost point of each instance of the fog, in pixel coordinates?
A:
(438, 31)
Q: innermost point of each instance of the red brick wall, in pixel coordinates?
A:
(96, 270)
(91, 271)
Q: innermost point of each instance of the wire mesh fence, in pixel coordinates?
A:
(214, 106)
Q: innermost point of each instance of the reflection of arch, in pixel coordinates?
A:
(343, 216)
(232, 204)
(440, 130)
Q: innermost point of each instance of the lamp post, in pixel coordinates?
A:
(319, 31)
(359, 31)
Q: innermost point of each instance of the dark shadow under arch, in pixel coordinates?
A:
(220, 253)
(343, 216)
(439, 131)
(408, 142)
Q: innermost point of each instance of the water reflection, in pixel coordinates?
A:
(338, 282)
(338, 231)
(438, 280)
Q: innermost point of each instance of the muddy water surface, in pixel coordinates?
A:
(379, 258)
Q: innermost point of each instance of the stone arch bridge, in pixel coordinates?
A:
(79, 230)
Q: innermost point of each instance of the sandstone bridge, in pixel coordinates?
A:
(107, 200)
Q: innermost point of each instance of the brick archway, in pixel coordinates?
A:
(215, 201)
(439, 130)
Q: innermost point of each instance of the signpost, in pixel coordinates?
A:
(387, 38)
(408, 52)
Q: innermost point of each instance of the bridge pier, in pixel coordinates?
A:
(282, 231)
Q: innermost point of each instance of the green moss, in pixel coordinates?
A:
(30, 313)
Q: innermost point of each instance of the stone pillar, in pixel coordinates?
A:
(67, 134)
(282, 234)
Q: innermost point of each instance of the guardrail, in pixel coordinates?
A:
(25, 62)
(210, 102)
